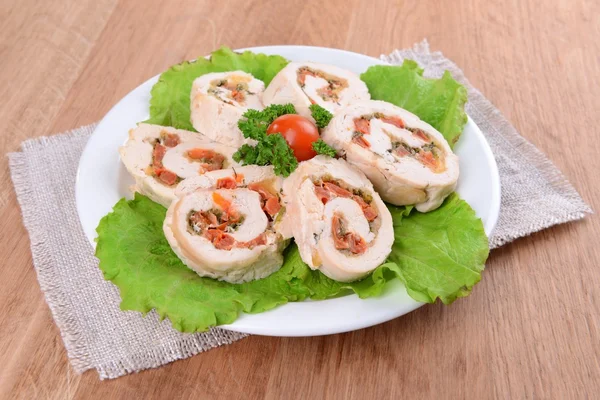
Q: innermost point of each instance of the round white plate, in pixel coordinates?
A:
(102, 181)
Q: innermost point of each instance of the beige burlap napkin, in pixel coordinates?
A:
(85, 307)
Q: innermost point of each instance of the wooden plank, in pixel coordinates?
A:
(530, 329)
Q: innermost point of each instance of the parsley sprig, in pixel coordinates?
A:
(320, 115)
(269, 149)
(322, 118)
(273, 149)
(320, 147)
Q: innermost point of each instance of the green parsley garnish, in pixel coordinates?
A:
(320, 115)
(323, 148)
(270, 149)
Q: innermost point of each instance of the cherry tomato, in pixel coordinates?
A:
(299, 132)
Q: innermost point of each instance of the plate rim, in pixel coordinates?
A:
(239, 325)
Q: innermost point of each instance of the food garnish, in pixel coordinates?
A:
(320, 115)
(269, 149)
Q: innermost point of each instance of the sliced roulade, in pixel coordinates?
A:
(303, 84)
(224, 224)
(159, 157)
(408, 161)
(218, 101)
(341, 225)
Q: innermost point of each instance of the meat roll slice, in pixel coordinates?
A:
(303, 84)
(159, 157)
(341, 225)
(408, 161)
(224, 224)
(218, 101)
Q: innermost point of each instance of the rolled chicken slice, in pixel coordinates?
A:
(303, 84)
(160, 157)
(340, 224)
(408, 161)
(224, 224)
(218, 101)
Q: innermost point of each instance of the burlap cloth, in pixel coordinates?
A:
(535, 195)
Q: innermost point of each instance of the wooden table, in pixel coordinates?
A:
(531, 328)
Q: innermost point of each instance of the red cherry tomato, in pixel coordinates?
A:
(299, 132)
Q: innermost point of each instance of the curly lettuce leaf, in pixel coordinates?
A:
(440, 254)
(170, 96)
(439, 102)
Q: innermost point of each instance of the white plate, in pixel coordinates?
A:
(102, 181)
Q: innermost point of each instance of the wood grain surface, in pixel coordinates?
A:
(531, 328)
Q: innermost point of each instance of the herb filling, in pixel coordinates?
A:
(330, 92)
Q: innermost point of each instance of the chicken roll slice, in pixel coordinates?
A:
(259, 179)
(408, 161)
(303, 84)
(341, 225)
(223, 225)
(159, 157)
(218, 101)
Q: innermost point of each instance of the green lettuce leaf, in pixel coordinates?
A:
(439, 102)
(440, 254)
(136, 257)
(437, 255)
(170, 96)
